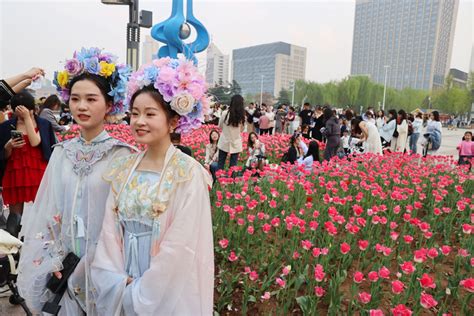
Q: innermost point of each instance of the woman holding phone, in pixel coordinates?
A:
(25, 148)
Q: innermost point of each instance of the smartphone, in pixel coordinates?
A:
(16, 134)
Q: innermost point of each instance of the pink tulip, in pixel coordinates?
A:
(358, 277)
(427, 282)
(345, 248)
(373, 276)
(427, 301)
(468, 284)
(376, 312)
(397, 287)
(223, 243)
(364, 297)
(401, 310)
(319, 291)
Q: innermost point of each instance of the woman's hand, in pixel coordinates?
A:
(34, 73)
(15, 143)
(129, 280)
(23, 112)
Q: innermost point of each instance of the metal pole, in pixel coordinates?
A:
(293, 95)
(261, 91)
(133, 35)
(385, 87)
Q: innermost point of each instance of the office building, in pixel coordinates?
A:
(413, 38)
(217, 66)
(149, 49)
(268, 66)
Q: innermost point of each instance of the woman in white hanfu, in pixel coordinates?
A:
(155, 253)
(68, 210)
(369, 135)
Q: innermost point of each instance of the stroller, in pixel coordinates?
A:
(9, 247)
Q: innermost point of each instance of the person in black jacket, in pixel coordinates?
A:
(297, 148)
(332, 133)
(318, 123)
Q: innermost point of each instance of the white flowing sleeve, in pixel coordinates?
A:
(42, 251)
(182, 273)
(107, 269)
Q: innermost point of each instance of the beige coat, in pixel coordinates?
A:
(230, 140)
(402, 130)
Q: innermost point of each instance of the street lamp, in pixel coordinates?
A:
(385, 86)
(133, 28)
(261, 91)
(292, 87)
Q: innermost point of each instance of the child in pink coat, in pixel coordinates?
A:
(466, 149)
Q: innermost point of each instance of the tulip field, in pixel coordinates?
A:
(373, 235)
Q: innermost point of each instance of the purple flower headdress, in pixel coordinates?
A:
(180, 84)
(95, 61)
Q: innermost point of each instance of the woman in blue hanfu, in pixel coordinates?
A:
(68, 211)
(155, 253)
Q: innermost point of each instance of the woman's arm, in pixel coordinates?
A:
(33, 137)
(21, 81)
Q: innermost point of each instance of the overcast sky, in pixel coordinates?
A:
(44, 33)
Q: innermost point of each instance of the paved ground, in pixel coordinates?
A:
(448, 147)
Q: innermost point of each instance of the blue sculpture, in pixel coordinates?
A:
(173, 31)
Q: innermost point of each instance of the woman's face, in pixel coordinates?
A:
(214, 136)
(468, 137)
(148, 121)
(380, 114)
(253, 138)
(88, 105)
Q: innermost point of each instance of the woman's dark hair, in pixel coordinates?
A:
(328, 113)
(101, 83)
(236, 114)
(51, 102)
(152, 92)
(383, 113)
(210, 135)
(293, 139)
(419, 114)
(403, 114)
(355, 126)
(369, 114)
(349, 114)
(435, 115)
(394, 114)
(313, 150)
(468, 132)
(23, 98)
(411, 117)
(250, 143)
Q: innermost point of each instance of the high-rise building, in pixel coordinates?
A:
(217, 66)
(414, 38)
(149, 49)
(270, 66)
(459, 78)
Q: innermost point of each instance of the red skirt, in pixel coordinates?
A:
(23, 173)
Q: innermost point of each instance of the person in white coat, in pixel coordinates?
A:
(402, 129)
(232, 124)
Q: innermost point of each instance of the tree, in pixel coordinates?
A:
(284, 97)
(234, 88)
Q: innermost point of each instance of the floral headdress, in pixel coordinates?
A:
(95, 61)
(180, 84)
